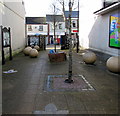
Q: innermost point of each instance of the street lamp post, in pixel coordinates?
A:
(69, 79)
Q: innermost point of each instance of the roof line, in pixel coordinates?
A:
(112, 6)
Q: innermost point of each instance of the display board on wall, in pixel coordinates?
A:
(6, 37)
(33, 40)
(6, 42)
(114, 31)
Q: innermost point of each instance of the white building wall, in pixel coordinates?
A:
(87, 19)
(35, 29)
(74, 28)
(0, 61)
(93, 29)
(57, 30)
(99, 35)
(13, 16)
(1, 6)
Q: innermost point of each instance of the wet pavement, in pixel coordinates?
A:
(24, 91)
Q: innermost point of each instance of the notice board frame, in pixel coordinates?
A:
(6, 42)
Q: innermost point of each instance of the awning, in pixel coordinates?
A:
(37, 34)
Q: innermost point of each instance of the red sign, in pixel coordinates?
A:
(75, 30)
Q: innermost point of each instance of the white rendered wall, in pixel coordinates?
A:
(99, 35)
(13, 14)
(93, 29)
(35, 29)
(0, 61)
(1, 6)
(57, 30)
(86, 19)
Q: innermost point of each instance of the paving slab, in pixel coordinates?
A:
(51, 109)
(24, 93)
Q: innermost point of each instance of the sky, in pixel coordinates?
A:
(37, 7)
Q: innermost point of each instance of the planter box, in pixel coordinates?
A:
(57, 57)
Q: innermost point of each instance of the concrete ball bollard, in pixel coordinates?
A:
(27, 50)
(113, 64)
(33, 53)
(89, 57)
(37, 47)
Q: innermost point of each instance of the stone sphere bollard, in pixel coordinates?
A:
(37, 47)
(113, 64)
(27, 50)
(89, 57)
(33, 53)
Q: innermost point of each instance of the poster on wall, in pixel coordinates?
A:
(6, 39)
(34, 40)
(114, 32)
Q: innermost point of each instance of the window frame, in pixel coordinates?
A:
(40, 29)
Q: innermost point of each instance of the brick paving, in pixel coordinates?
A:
(23, 91)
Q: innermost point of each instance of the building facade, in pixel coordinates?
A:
(12, 14)
(59, 28)
(95, 26)
(74, 21)
(36, 25)
(41, 29)
(36, 29)
(74, 25)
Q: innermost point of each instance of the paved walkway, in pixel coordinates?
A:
(23, 91)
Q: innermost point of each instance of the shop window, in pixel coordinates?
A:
(41, 28)
(60, 26)
(29, 28)
(74, 24)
